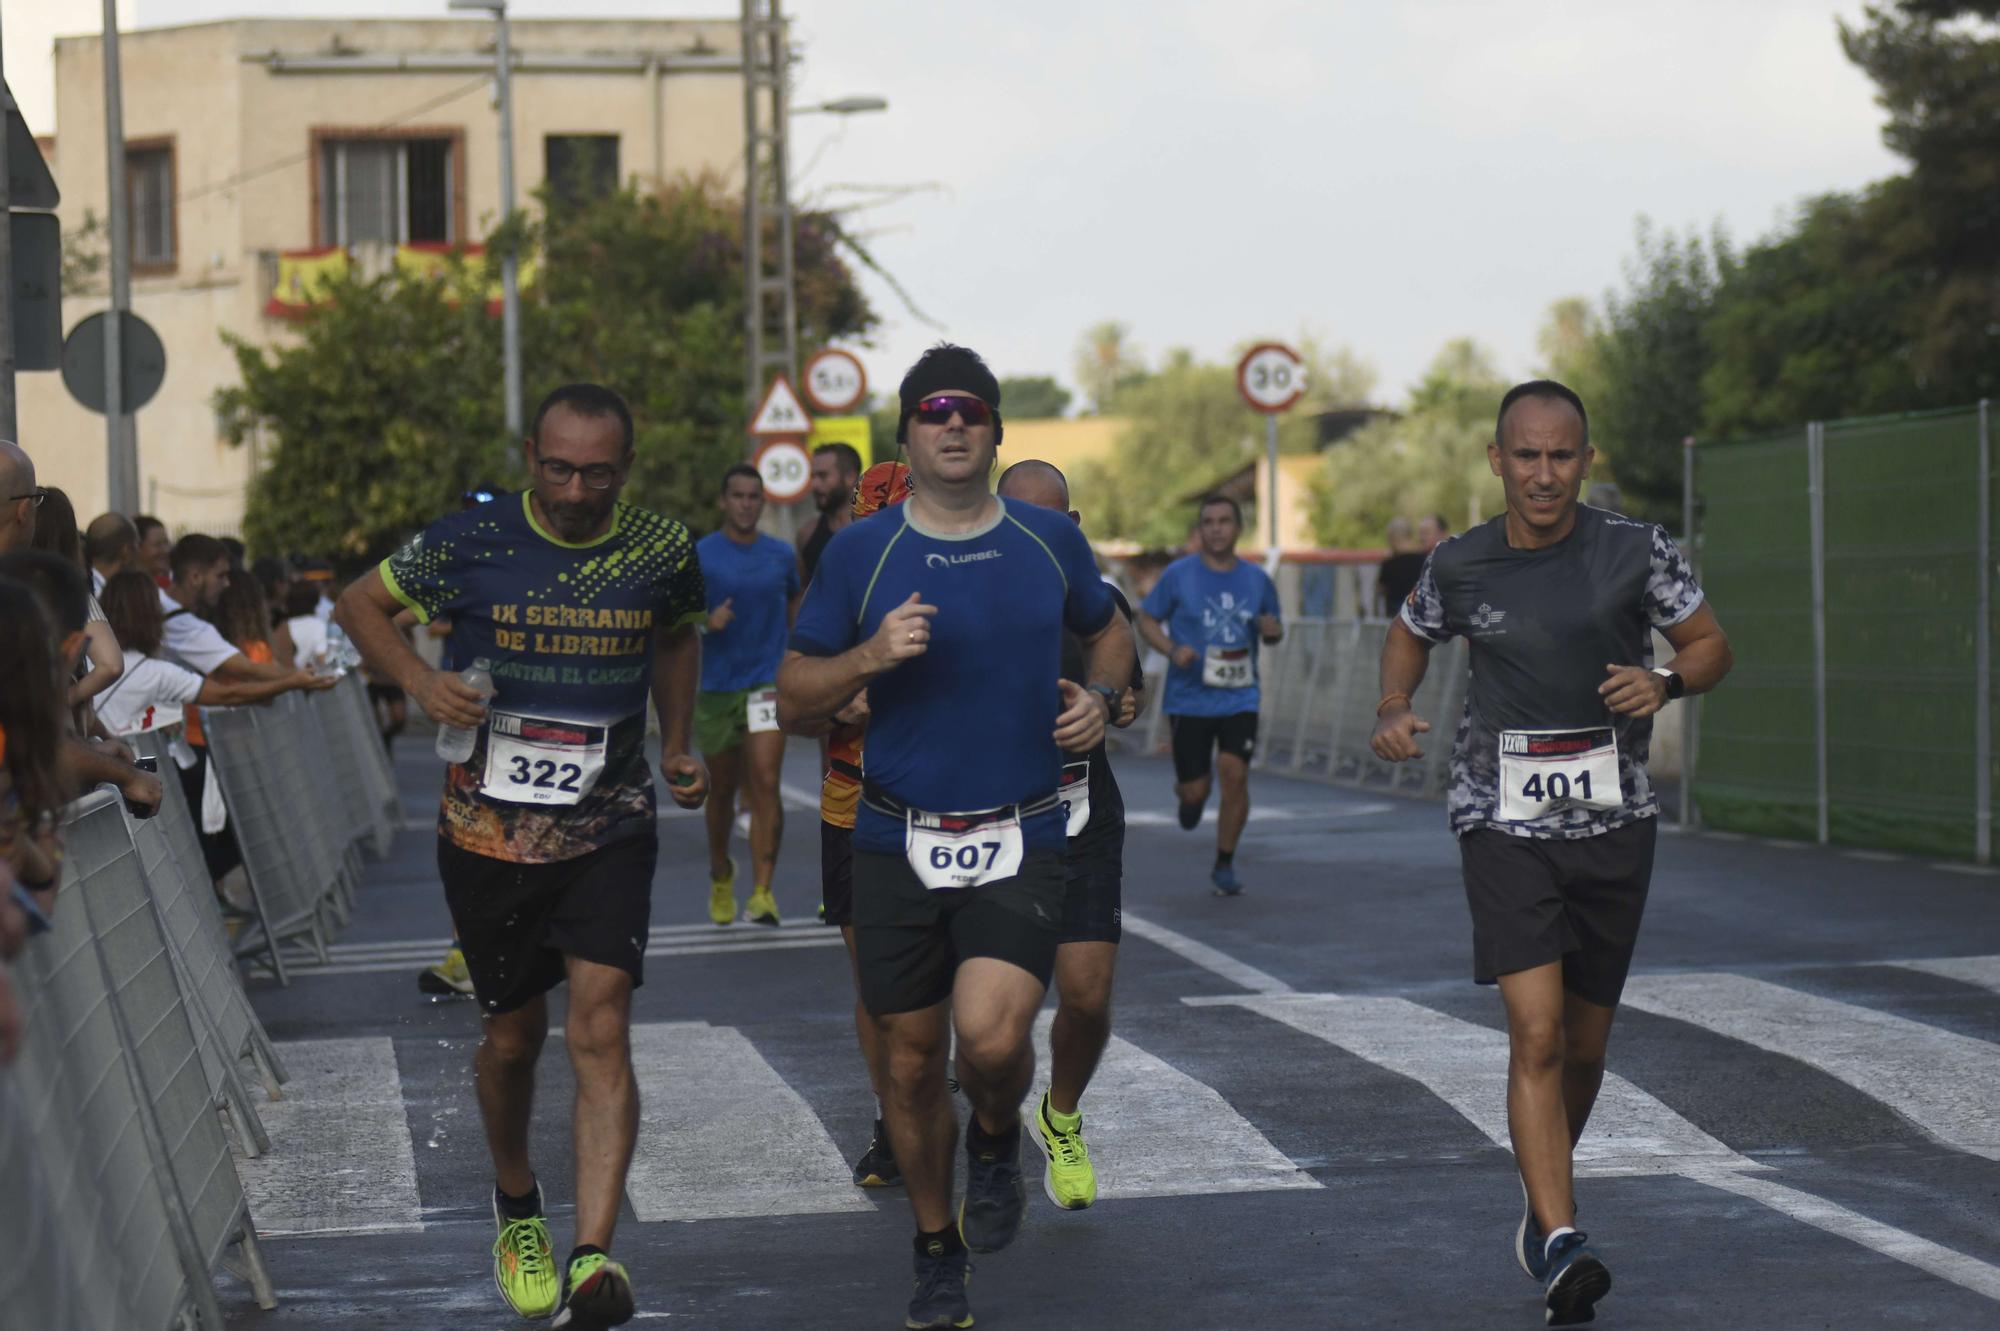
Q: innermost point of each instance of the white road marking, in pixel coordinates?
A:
(1982, 971)
(1208, 958)
(722, 1136)
(1465, 1065)
(1945, 1083)
(768, 942)
(341, 1160)
(1630, 1132)
(1154, 1131)
(430, 949)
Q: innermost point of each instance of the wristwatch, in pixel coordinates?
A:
(1676, 686)
(1110, 696)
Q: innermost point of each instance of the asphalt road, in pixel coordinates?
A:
(1300, 1122)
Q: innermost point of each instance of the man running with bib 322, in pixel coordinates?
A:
(950, 611)
(547, 839)
(1549, 796)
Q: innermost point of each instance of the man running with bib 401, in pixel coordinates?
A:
(1207, 613)
(950, 611)
(1549, 796)
(547, 839)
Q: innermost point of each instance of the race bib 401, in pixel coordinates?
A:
(1543, 771)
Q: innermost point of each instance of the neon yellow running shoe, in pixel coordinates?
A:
(763, 907)
(722, 897)
(524, 1265)
(449, 976)
(599, 1295)
(1069, 1180)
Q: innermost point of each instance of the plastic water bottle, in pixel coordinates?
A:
(454, 743)
(341, 655)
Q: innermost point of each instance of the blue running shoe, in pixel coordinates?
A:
(995, 1197)
(939, 1302)
(1577, 1279)
(1226, 882)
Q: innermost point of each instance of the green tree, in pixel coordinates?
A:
(1186, 429)
(1033, 397)
(388, 404)
(1107, 363)
(1430, 459)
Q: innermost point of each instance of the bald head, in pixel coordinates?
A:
(17, 516)
(110, 542)
(1036, 482)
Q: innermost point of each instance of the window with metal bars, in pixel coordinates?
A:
(392, 191)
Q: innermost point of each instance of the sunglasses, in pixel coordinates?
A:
(939, 410)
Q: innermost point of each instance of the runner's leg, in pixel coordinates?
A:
(1082, 1024)
(598, 1033)
(725, 772)
(1235, 810)
(762, 763)
(993, 1008)
(503, 1075)
(1586, 1031)
(1536, 1119)
(917, 1111)
(866, 1033)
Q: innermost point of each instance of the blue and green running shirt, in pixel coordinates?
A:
(970, 724)
(569, 630)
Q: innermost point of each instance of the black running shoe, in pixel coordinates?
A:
(877, 1166)
(1190, 816)
(939, 1301)
(1577, 1279)
(995, 1196)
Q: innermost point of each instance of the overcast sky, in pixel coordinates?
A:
(1387, 176)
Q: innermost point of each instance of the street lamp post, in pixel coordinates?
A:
(510, 264)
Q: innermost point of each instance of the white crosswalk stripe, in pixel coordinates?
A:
(1981, 971)
(1945, 1083)
(1154, 1131)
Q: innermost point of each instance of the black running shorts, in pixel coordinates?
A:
(909, 940)
(836, 873)
(516, 922)
(1539, 899)
(1093, 897)
(1196, 737)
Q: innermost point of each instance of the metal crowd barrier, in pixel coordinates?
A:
(1318, 692)
(306, 782)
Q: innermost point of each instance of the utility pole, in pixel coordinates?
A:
(510, 264)
(121, 431)
(770, 307)
(8, 422)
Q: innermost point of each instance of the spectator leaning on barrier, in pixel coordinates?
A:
(31, 787)
(110, 546)
(55, 532)
(153, 690)
(303, 626)
(242, 616)
(155, 547)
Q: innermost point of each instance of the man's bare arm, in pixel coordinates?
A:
(816, 688)
(366, 611)
(1405, 659)
(676, 676)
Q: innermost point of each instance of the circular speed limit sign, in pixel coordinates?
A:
(787, 470)
(1271, 377)
(835, 383)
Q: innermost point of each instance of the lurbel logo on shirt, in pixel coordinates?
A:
(946, 561)
(1487, 618)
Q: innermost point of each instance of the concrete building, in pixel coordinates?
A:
(251, 140)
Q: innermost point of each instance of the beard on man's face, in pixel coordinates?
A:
(576, 518)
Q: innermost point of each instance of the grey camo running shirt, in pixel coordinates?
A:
(1542, 625)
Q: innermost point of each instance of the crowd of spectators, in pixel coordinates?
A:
(111, 631)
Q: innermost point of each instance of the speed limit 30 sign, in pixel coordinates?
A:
(835, 383)
(1271, 377)
(787, 470)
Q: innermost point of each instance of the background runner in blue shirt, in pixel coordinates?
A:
(753, 592)
(1208, 612)
(950, 611)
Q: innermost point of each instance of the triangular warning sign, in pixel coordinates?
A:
(781, 413)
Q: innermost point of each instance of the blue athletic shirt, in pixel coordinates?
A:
(1203, 608)
(759, 580)
(970, 724)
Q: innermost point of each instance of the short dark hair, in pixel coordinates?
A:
(741, 469)
(592, 400)
(301, 598)
(193, 551)
(850, 460)
(1210, 501)
(1541, 388)
(145, 522)
(57, 583)
(235, 548)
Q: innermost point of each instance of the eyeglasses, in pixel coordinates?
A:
(940, 409)
(37, 494)
(597, 476)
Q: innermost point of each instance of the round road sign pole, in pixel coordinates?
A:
(1271, 378)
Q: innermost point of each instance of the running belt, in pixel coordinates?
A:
(889, 806)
